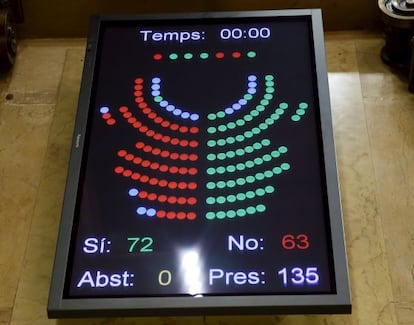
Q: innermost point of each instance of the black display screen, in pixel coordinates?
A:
(203, 166)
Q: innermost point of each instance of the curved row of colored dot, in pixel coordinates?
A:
(240, 152)
(269, 82)
(204, 55)
(151, 212)
(154, 180)
(242, 196)
(300, 112)
(162, 198)
(236, 213)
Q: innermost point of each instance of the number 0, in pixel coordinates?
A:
(164, 277)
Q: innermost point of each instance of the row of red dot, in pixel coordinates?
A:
(156, 135)
(155, 165)
(165, 153)
(139, 99)
(154, 180)
(176, 215)
(171, 199)
(108, 118)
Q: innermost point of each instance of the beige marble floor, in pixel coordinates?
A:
(373, 117)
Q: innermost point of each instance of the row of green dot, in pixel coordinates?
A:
(265, 101)
(260, 208)
(247, 164)
(240, 196)
(239, 152)
(250, 179)
(299, 112)
(205, 55)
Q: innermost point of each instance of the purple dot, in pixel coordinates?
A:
(156, 80)
(133, 192)
(229, 110)
(104, 110)
(151, 212)
(194, 117)
(141, 211)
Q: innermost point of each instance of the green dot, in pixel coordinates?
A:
(230, 154)
(250, 194)
(249, 149)
(211, 116)
(269, 189)
(188, 56)
(230, 140)
(249, 164)
(260, 192)
(231, 168)
(268, 96)
(210, 200)
(231, 183)
(303, 105)
(261, 208)
(158, 99)
(260, 108)
(221, 184)
(248, 118)
(269, 83)
(222, 128)
(240, 181)
(211, 185)
(269, 77)
(211, 171)
(231, 214)
(257, 146)
(221, 142)
(250, 179)
(285, 166)
(173, 56)
(275, 154)
(240, 166)
(254, 113)
(275, 116)
(231, 198)
(241, 196)
(264, 102)
(251, 210)
(277, 170)
(251, 54)
(247, 97)
(240, 152)
(220, 214)
(295, 118)
(269, 121)
(241, 212)
(267, 157)
(211, 157)
(300, 111)
(239, 138)
(221, 199)
(283, 105)
(240, 122)
(263, 126)
(266, 142)
(203, 55)
(283, 149)
(221, 170)
(270, 90)
(259, 176)
(210, 215)
(211, 130)
(279, 111)
(221, 156)
(211, 143)
(220, 114)
(231, 125)
(248, 134)
(256, 130)
(268, 174)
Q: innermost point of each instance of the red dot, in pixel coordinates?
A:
(157, 136)
(183, 143)
(173, 169)
(163, 183)
(183, 156)
(152, 196)
(157, 56)
(165, 138)
(138, 93)
(193, 144)
(106, 116)
(139, 81)
(153, 181)
(143, 129)
(138, 87)
(182, 170)
(137, 124)
(192, 200)
(192, 171)
(181, 215)
(135, 176)
(150, 133)
(172, 185)
(164, 154)
(119, 169)
(139, 99)
(147, 148)
(132, 120)
(143, 194)
(174, 127)
(146, 163)
(181, 200)
(122, 153)
(137, 160)
(219, 55)
(174, 156)
(172, 199)
(129, 157)
(127, 114)
(194, 130)
(154, 165)
(142, 105)
(152, 115)
(165, 124)
(140, 145)
(156, 151)
(147, 110)
(144, 178)
(183, 129)
(127, 173)
(182, 185)
(163, 168)
(236, 55)
(111, 121)
(192, 185)
(161, 214)
(123, 109)
(191, 216)
(175, 141)
(170, 214)
(162, 198)
(193, 157)
(158, 120)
